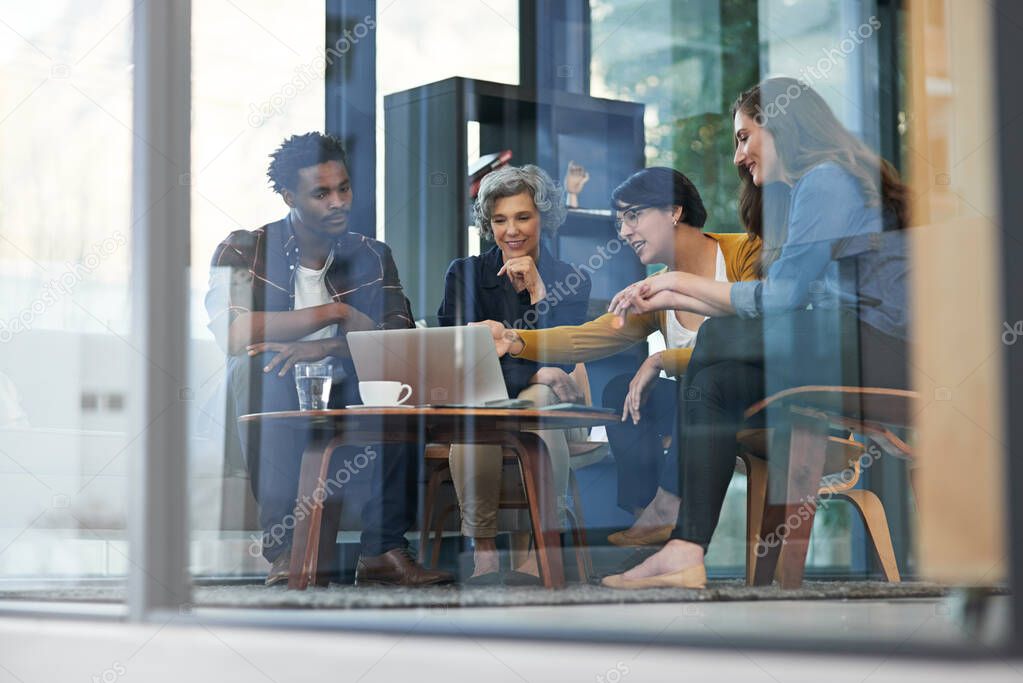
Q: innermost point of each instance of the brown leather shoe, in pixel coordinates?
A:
(397, 567)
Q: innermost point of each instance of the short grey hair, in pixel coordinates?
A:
(509, 181)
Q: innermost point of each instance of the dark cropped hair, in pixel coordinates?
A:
(302, 151)
(662, 186)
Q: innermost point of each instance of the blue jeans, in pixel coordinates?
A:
(273, 458)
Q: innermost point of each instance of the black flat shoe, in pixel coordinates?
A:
(488, 579)
(510, 578)
(514, 578)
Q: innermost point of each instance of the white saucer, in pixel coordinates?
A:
(392, 405)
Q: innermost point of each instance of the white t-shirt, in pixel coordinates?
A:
(678, 335)
(311, 290)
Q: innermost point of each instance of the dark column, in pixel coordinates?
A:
(554, 45)
(740, 65)
(351, 91)
(1007, 16)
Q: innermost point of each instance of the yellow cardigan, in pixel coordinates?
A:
(599, 338)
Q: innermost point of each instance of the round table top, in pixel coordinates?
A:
(501, 419)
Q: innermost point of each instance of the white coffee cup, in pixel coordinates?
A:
(383, 393)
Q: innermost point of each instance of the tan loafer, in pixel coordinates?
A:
(657, 536)
(279, 569)
(690, 577)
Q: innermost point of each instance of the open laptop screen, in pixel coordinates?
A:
(443, 365)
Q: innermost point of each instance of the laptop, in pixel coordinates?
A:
(445, 366)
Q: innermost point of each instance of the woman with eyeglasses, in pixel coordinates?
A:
(660, 215)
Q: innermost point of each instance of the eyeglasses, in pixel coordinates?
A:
(630, 215)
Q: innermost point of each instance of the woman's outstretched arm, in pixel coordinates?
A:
(673, 290)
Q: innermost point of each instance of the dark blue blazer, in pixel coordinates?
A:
(473, 292)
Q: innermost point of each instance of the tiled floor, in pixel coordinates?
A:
(906, 623)
(199, 647)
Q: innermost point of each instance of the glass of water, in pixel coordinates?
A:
(313, 382)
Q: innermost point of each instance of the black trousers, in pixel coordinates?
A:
(737, 362)
(639, 448)
(273, 457)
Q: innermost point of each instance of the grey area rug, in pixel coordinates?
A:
(351, 597)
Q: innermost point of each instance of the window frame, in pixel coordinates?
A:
(159, 581)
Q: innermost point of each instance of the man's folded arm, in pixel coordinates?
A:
(252, 327)
(232, 296)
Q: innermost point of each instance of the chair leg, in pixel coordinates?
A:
(305, 543)
(772, 519)
(438, 533)
(432, 487)
(582, 548)
(541, 498)
(876, 522)
(521, 546)
(329, 527)
(580, 562)
(788, 517)
(756, 494)
(914, 483)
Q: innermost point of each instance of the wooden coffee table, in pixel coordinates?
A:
(331, 429)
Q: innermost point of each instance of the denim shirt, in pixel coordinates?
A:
(473, 292)
(828, 209)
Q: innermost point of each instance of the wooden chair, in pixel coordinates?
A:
(804, 446)
(811, 412)
(842, 471)
(581, 452)
(840, 474)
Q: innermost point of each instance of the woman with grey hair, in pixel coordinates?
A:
(519, 282)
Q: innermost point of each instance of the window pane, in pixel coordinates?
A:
(257, 79)
(425, 42)
(892, 85)
(806, 271)
(663, 81)
(66, 140)
(681, 60)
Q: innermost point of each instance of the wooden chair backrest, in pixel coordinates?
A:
(869, 404)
